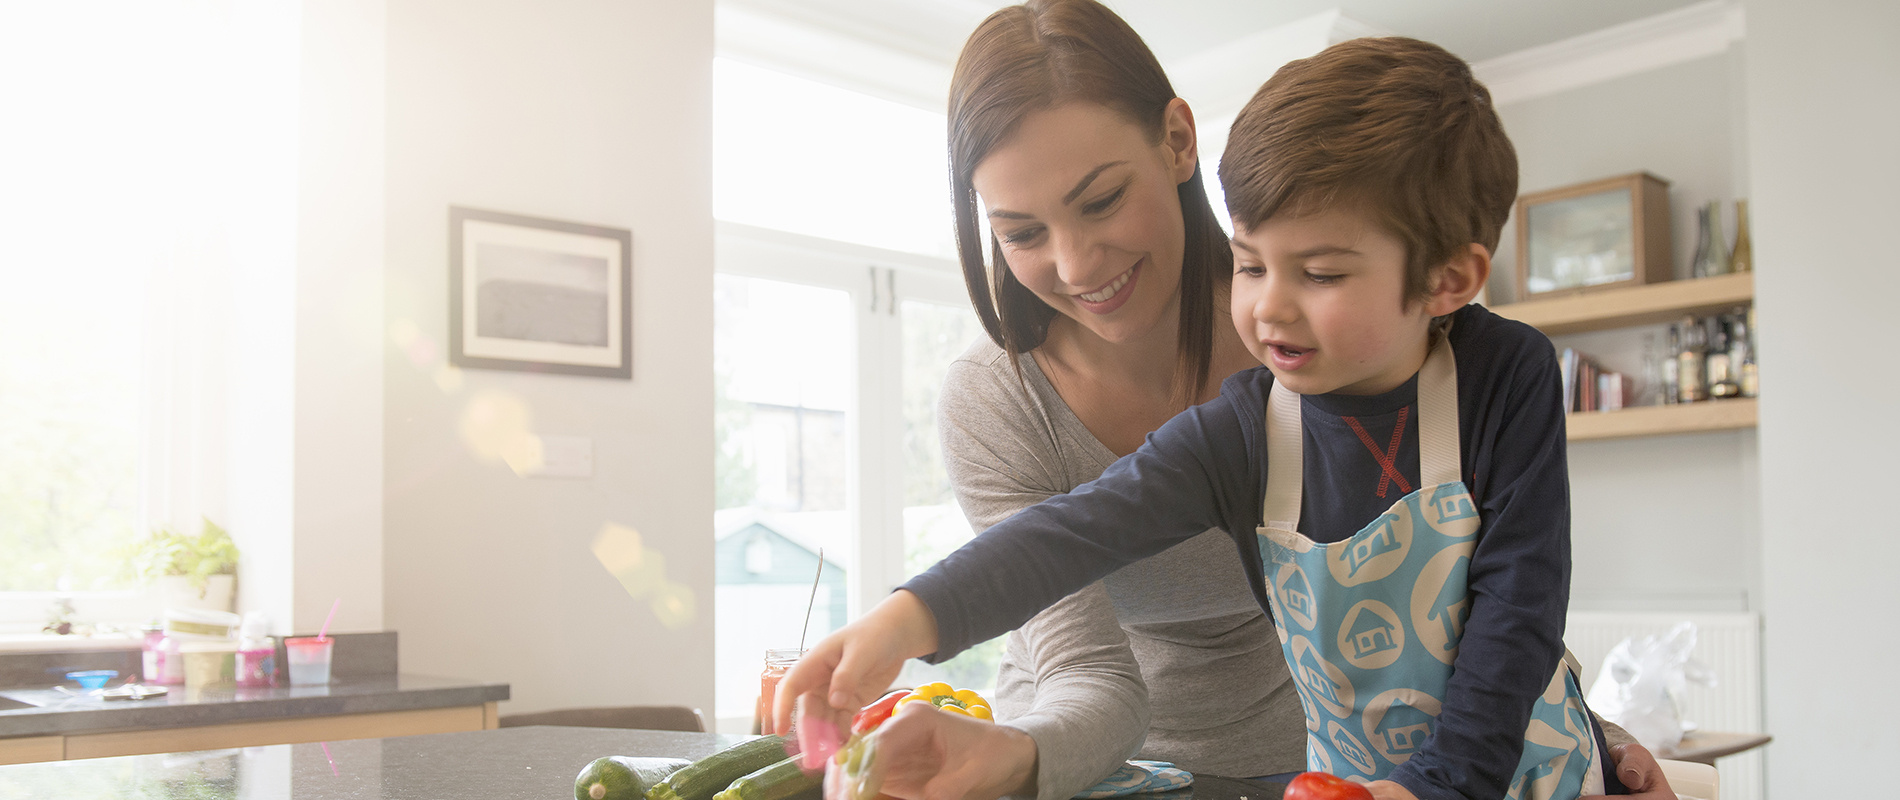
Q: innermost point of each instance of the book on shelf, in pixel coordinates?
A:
(1587, 386)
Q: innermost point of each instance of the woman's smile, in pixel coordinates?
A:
(1113, 294)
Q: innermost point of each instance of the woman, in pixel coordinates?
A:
(1103, 294)
(1107, 320)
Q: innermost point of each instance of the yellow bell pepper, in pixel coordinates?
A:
(955, 701)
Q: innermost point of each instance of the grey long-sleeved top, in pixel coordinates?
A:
(1173, 647)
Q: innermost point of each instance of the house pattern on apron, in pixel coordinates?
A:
(1370, 625)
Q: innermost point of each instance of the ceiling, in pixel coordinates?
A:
(1176, 29)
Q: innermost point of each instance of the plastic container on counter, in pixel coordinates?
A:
(256, 652)
(201, 622)
(209, 663)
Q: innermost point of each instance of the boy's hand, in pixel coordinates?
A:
(850, 668)
(1636, 767)
(1387, 790)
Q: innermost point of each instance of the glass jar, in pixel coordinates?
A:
(777, 663)
(171, 662)
(152, 653)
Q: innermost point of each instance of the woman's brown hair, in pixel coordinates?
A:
(1040, 55)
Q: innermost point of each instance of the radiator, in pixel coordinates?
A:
(1728, 644)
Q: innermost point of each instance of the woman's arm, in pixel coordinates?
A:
(1084, 706)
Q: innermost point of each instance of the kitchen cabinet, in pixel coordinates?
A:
(51, 726)
(28, 749)
(303, 730)
(1645, 305)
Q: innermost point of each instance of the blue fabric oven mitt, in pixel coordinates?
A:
(1139, 777)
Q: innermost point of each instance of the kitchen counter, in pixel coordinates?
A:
(536, 763)
(368, 697)
(53, 712)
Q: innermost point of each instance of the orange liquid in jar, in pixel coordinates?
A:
(777, 663)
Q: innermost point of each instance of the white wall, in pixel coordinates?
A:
(337, 547)
(299, 333)
(1661, 523)
(1822, 116)
(590, 111)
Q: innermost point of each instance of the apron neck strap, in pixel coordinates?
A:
(1438, 444)
(1439, 455)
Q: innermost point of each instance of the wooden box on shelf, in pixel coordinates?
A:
(1606, 233)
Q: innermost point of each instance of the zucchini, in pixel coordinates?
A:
(781, 781)
(623, 777)
(714, 773)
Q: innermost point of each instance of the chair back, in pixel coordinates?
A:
(654, 718)
(1690, 779)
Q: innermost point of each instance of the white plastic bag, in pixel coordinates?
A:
(1641, 682)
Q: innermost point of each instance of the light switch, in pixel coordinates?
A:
(564, 457)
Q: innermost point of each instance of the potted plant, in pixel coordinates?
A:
(186, 570)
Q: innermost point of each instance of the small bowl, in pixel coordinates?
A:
(93, 678)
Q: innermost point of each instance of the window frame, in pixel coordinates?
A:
(878, 282)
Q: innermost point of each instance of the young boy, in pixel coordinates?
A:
(1420, 589)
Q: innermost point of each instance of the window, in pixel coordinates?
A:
(837, 309)
(130, 176)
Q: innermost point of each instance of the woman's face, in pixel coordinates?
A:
(1085, 206)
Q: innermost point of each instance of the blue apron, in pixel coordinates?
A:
(1370, 625)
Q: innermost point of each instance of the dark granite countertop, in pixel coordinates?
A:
(53, 713)
(536, 763)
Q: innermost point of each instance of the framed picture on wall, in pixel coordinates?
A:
(539, 295)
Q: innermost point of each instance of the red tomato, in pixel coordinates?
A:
(1321, 786)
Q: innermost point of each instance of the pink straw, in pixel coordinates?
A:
(327, 620)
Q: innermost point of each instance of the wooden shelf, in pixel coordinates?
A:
(1635, 305)
(1713, 415)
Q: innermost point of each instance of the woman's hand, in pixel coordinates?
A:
(850, 668)
(1636, 767)
(924, 753)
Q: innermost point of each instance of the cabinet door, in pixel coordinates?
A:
(276, 731)
(28, 749)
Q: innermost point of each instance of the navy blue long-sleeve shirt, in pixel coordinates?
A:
(1207, 468)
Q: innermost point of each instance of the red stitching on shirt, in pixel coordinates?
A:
(1388, 473)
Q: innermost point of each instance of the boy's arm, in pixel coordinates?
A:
(1519, 590)
(1191, 475)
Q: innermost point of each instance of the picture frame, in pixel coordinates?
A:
(539, 295)
(1594, 235)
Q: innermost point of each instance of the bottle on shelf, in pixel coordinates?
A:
(1717, 361)
(1751, 378)
(1742, 258)
(1711, 252)
(1651, 390)
(1671, 362)
(1690, 372)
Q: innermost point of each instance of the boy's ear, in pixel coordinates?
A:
(1177, 134)
(1458, 280)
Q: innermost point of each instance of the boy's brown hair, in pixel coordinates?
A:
(1396, 127)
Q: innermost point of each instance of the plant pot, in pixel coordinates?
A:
(176, 591)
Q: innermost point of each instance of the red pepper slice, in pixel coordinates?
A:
(868, 718)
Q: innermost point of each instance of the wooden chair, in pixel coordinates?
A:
(1690, 779)
(654, 718)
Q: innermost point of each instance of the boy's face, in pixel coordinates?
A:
(1320, 299)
